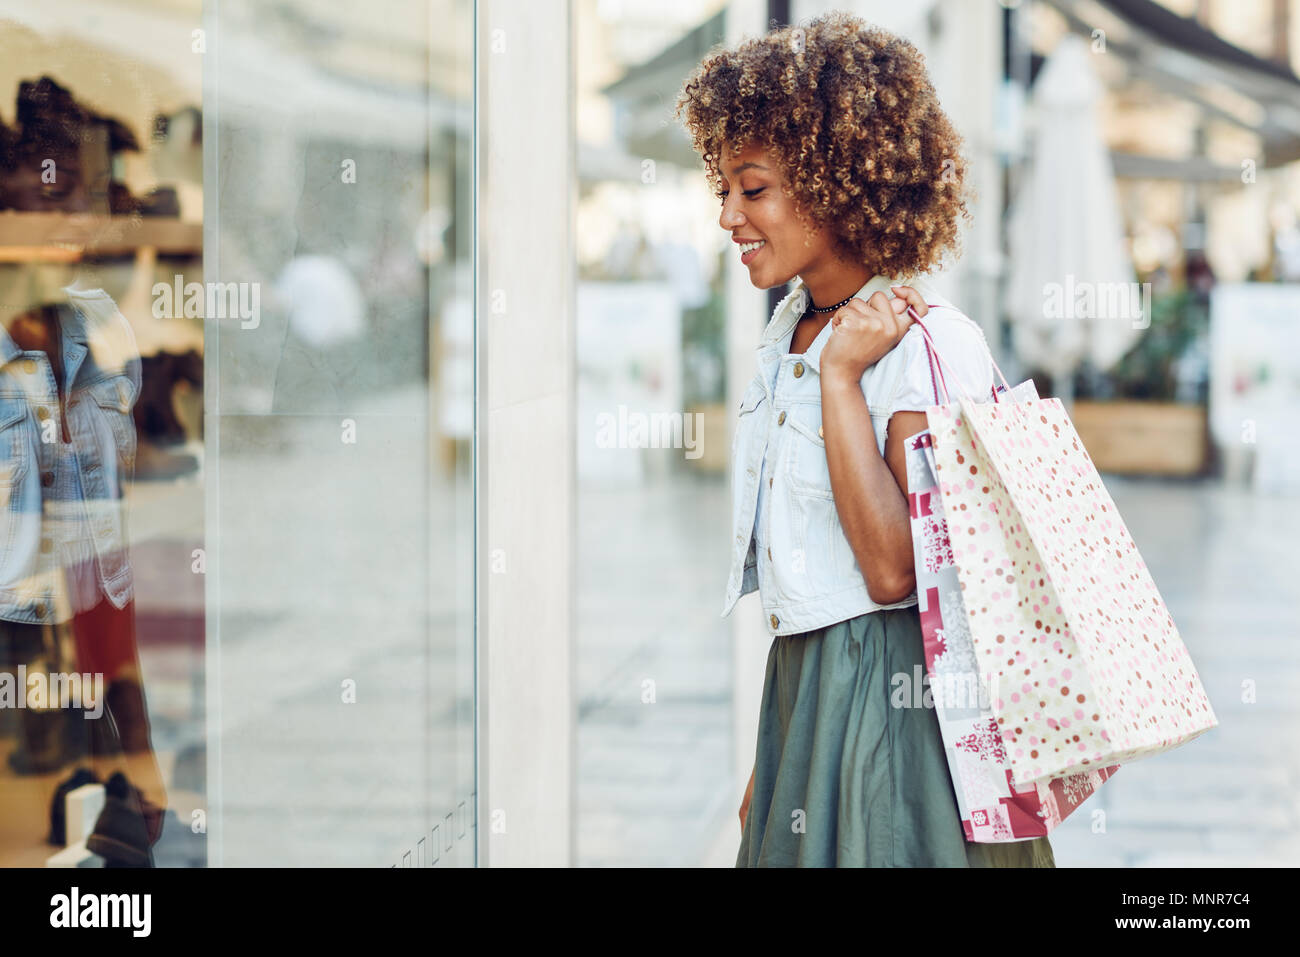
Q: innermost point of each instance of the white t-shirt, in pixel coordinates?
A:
(965, 362)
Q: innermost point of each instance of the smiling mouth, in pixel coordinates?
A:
(749, 250)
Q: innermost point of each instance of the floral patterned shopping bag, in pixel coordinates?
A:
(992, 807)
(1081, 659)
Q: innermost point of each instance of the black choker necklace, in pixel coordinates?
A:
(828, 308)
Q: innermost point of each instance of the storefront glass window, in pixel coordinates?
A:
(236, 415)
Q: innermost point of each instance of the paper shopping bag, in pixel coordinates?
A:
(1084, 664)
(992, 807)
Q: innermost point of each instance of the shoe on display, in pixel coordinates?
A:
(122, 830)
(58, 835)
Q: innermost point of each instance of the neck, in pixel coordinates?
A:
(831, 280)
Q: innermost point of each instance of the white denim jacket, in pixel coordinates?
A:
(787, 541)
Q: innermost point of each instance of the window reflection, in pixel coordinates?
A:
(236, 343)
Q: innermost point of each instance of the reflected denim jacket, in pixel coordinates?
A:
(62, 506)
(790, 546)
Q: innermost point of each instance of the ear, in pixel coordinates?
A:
(902, 426)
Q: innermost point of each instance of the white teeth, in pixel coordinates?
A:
(750, 247)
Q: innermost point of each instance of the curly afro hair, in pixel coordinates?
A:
(849, 113)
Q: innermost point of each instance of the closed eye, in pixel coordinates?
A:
(748, 193)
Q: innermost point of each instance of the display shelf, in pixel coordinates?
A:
(68, 237)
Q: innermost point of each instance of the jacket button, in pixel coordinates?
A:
(29, 366)
(47, 479)
(47, 545)
(774, 621)
(798, 369)
(40, 610)
(769, 481)
(42, 413)
(769, 553)
(780, 419)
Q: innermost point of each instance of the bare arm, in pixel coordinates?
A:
(870, 491)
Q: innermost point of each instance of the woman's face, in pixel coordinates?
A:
(755, 210)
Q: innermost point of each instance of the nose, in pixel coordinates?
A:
(730, 217)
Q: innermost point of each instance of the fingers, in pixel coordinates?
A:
(880, 311)
(873, 313)
(912, 298)
(890, 312)
(863, 331)
(878, 301)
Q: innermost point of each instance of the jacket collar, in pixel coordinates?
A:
(775, 340)
(72, 323)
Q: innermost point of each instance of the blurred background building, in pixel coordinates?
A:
(1127, 148)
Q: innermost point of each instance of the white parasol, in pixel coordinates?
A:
(1071, 292)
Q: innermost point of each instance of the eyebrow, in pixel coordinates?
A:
(744, 166)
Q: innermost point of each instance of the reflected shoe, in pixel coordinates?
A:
(59, 806)
(41, 743)
(122, 832)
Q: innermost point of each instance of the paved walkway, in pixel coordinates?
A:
(655, 684)
(655, 779)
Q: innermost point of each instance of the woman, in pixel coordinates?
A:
(837, 170)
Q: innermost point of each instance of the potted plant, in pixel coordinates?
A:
(1147, 414)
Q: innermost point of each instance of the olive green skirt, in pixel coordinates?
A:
(842, 777)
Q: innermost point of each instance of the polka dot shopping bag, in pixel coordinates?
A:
(992, 807)
(1082, 662)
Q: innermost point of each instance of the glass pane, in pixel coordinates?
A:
(655, 782)
(257, 526)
